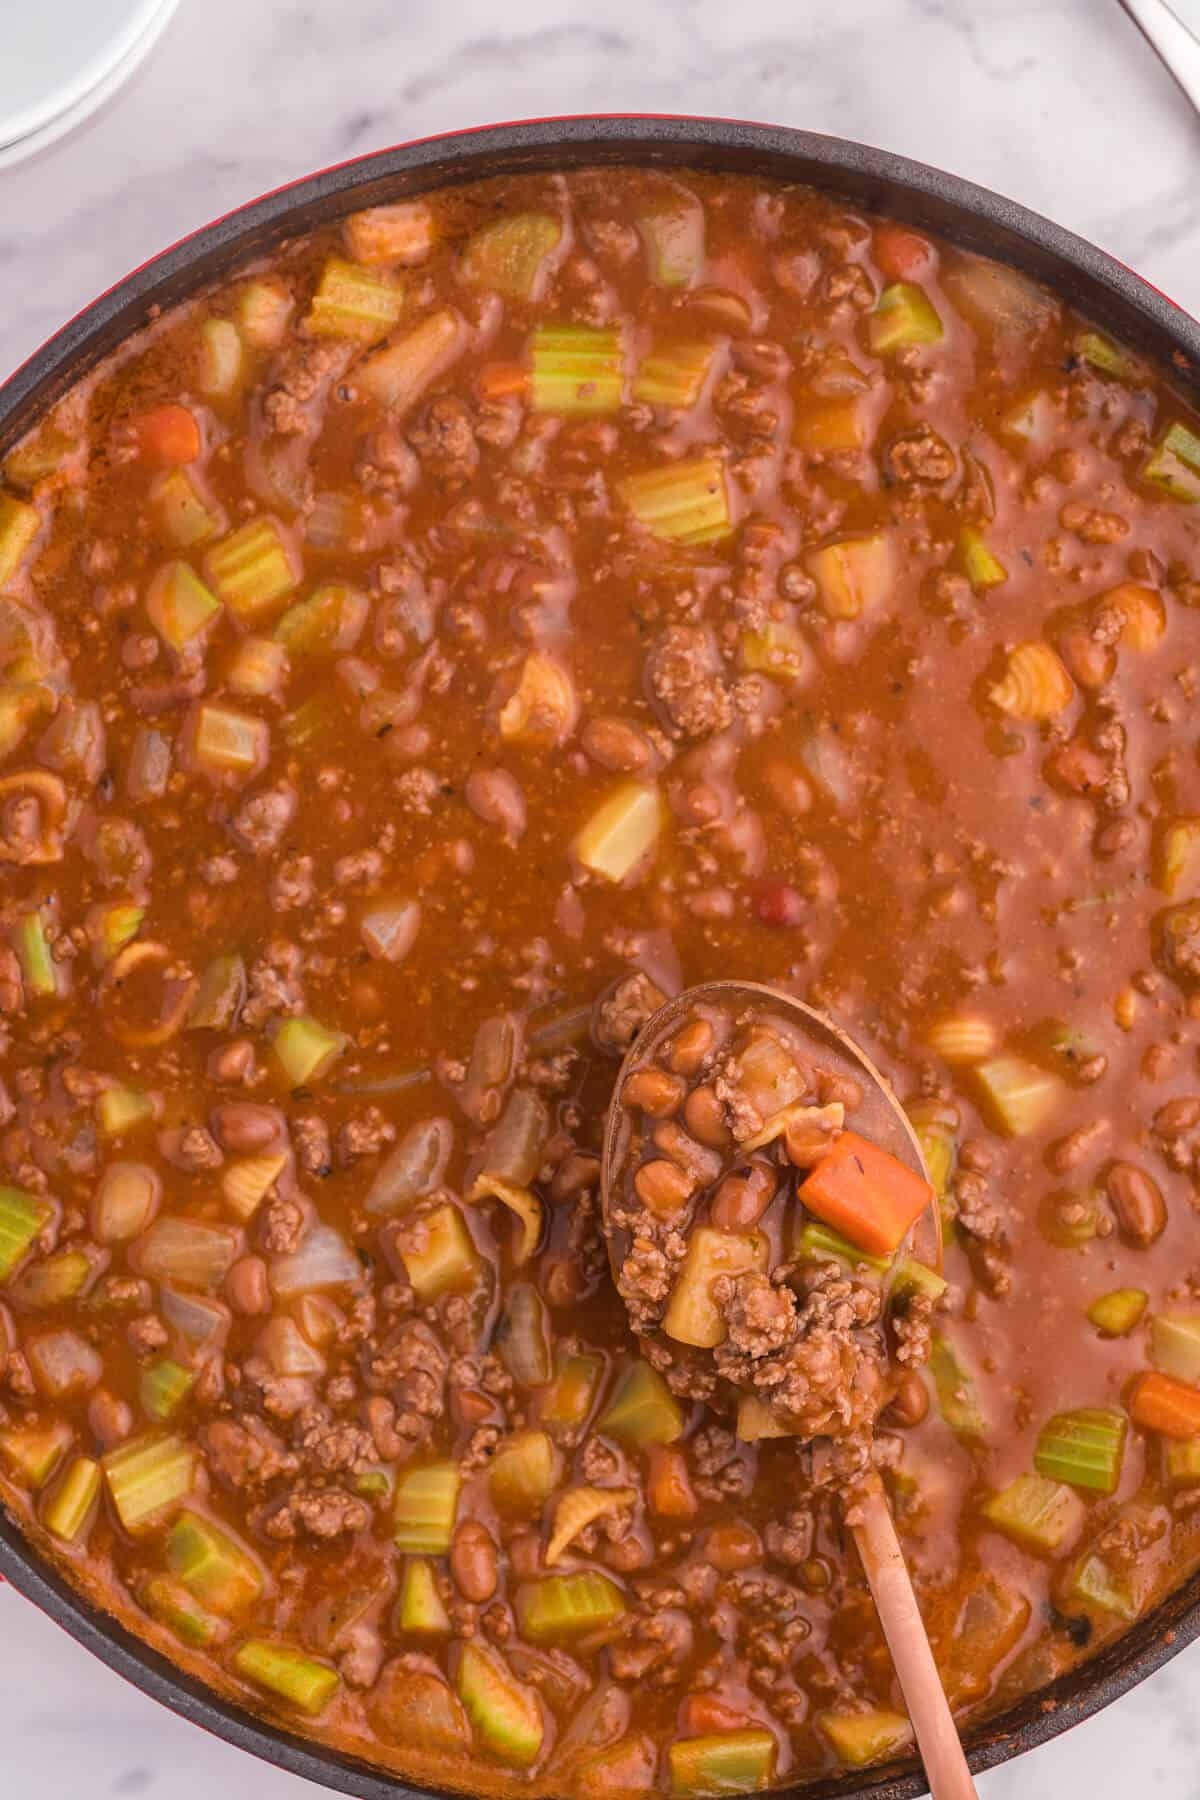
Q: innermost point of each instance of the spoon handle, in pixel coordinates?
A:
(883, 1560)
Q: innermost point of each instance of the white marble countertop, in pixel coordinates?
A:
(1057, 102)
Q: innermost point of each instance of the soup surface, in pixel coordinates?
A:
(418, 658)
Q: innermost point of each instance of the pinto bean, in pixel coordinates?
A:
(653, 1091)
(496, 797)
(705, 1117)
(246, 1287)
(910, 1402)
(473, 1561)
(1138, 1203)
(744, 1196)
(614, 744)
(241, 1126)
(691, 1045)
(663, 1186)
(1181, 1114)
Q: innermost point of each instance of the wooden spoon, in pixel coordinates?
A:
(882, 1119)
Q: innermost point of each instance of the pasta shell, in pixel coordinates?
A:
(579, 1508)
(1143, 615)
(962, 1038)
(520, 1201)
(1036, 684)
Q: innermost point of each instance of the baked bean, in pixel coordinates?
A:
(525, 1555)
(744, 1196)
(627, 1555)
(1078, 1145)
(1137, 1202)
(788, 786)
(247, 1288)
(705, 1118)
(663, 1186)
(110, 1419)
(1181, 1114)
(473, 1561)
(241, 1126)
(910, 1403)
(494, 796)
(734, 1546)
(691, 1045)
(616, 745)
(654, 1091)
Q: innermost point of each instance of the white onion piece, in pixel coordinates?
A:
(323, 1260)
(390, 930)
(187, 1253)
(125, 1202)
(414, 1168)
(513, 1147)
(288, 1350)
(200, 1322)
(63, 1363)
(829, 765)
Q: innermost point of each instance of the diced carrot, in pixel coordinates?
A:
(703, 1713)
(1160, 1403)
(868, 1195)
(498, 380)
(668, 1490)
(902, 255)
(167, 434)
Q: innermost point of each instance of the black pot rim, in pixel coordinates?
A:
(879, 180)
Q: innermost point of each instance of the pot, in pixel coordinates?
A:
(1112, 295)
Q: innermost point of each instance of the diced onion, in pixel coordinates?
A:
(323, 1260)
(197, 1320)
(64, 1363)
(125, 1202)
(288, 1350)
(414, 1168)
(185, 1252)
(390, 930)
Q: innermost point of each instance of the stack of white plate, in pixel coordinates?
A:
(63, 58)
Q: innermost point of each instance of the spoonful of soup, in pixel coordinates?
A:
(776, 1243)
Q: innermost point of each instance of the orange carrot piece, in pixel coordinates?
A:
(868, 1195)
(704, 1712)
(668, 1490)
(902, 255)
(498, 380)
(1160, 1403)
(167, 434)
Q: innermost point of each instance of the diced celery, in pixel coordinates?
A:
(398, 375)
(353, 303)
(118, 1110)
(1181, 1461)
(1106, 356)
(622, 832)
(860, 1738)
(692, 1315)
(1116, 1314)
(179, 605)
(227, 742)
(116, 926)
(213, 1564)
(253, 568)
(1178, 860)
(257, 667)
(33, 1452)
(19, 525)
(673, 373)
(264, 308)
(163, 1387)
(1174, 464)
(305, 1050)
(220, 996)
(1096, 1584)
(524, 1473)
(438, 1252)
(1084, 1448)
(820, 1243)
(279, 1668)
(510, 255)
(420, 1611)
(220, 358)
(643, 1409)
(559, 1608)
(904, 316)
(957, 1396)
(672, 229)
(682, 503)
(38, 967)
(727, 1762)
(72, 1504)
(1175, 1345)
(186, 515)
(915, 1277)
(982, 567)
(934, 1126)
(570, 1397)
(505, 1713)
(247, 1182)
(171, 1604)
(1017, 1097)
(187, 1252)
(577, 369)
(779, 649)
(425, 1505)
(148, 1476)
(328, 623)
(55, 1280)
(22, 1216)
(853, 577)
(1036, 1513)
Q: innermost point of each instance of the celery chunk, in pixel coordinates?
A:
(1174, 464)
(982, 567)
(904, 316)
(672, 230)
(1035, 1512)
(178, 605)
(148, 1476)
(71, 1506)
(171, 1604)
(225, 742)
(576, 369)
(1084, 1448)
(424, 1508)
(726, 1762)
(674, 373)
(820, 1243)
(253, 568)
(305, 1050)
(420, 1611)
(1100, 351)
(1116, 1314)
(559, 1608)
(38, 967)
(505, 1713)
(511, 255)
(643, 1409)
(300, 1680)
(353, 303)
(683, 503)
(213, 1564)
(22, 1216)
(184, 512)
(328, 623)
(163, 1387)
(54, 1281)
(1096, 1584)
(957, 1396)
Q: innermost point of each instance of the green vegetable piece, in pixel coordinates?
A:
(38, 967)
(577, 370)
(120, 1109)
(19, 525)
(820, 1243)
(560, 1608)
(213, 1564)
(504, 1712)
(1036, 1513)
(1084, 1447)
(1174, 464)
(1181, 1461)
(957, 1396)
(643, 1409)
(683, 503)
(1116, 1314)
(71, 1507)
(22, 1216)
(178, 605)
(54, 1281)
(509, 256)
(148, 1476)
(860, 1738)
(328, 623)
(33, 1452)
(672, 230)
(354, 303)
(420, 1611)
(116, 927)
(253, 568)
(727, 1762)
(1096, 1584)
(983, 569)
(163, 1387)
(1093, 347)
(425, 1506)
(905, 315)
(1175, 1345)
(305, 1050)
(186, 516)
(673, 374)
(170, 1603)
(914, 1277)
(934, 1126)
(300, 1680)
(572, 1393)
(220, 996)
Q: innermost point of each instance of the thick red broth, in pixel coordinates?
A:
(419, 657)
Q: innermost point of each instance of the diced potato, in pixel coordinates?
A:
(438, 1253)
(1017, 1096)
(692, 1315)
(225, 742)
(264, 307)
(19, 525)
(622, 833)
(524, 1473)
(860, 1738)
(779, 649)
(179, 606)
